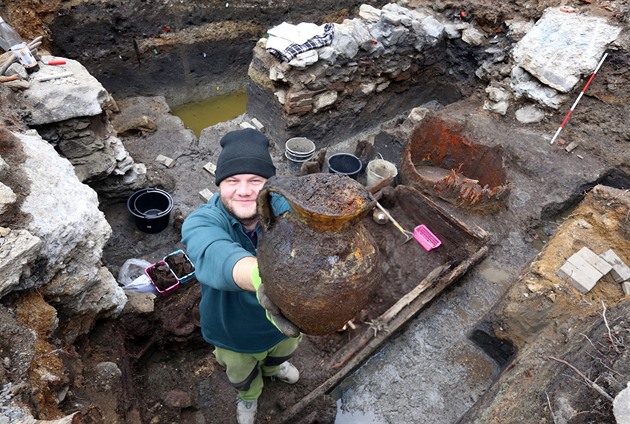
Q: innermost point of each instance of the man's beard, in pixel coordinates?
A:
(245, 220)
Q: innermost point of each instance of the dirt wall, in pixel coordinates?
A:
(185, 51)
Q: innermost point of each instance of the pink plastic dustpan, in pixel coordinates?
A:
(426, 238)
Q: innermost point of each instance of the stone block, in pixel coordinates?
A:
(246, 125)
(206, 194)
(3, 166)
(210, 167)
(296, 103)
(260, 127)
(7, 198)
(587, 255)
(165, 160)
(290, 110)
(621, 406)
(625, 286)
(581, 274)
(300, 96)
(572, 146)
(620, 271)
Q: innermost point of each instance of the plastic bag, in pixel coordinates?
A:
(132, 277)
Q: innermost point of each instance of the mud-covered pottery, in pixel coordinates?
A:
(317, 261)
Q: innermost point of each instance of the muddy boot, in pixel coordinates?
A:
(287, 373)
(246, 411)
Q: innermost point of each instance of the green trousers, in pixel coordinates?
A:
(245, 371)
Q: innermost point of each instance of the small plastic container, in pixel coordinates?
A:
(180, 278)
(426, 238)
(161, 267)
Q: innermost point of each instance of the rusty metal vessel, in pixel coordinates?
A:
(317, 261)
(441, 160)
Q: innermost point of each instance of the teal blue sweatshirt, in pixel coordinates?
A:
(231, 318)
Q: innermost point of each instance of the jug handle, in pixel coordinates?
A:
(264, 208)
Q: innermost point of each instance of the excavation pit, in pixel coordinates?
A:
(412, 278)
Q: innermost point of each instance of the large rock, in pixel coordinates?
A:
(621, 406)
(18, 252)
(65, 217)
(78, 94)
(71, 113)
(562, 47)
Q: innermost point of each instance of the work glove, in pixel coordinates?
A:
(274, 315)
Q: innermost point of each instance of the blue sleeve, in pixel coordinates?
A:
(213, 247)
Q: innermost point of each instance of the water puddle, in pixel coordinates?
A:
(493, 273)
(545, 231)
(205, 113)
(354, 416)
(347, 417)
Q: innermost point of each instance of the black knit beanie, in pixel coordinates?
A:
(244, 152)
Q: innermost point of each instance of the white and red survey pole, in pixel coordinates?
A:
(566, 118)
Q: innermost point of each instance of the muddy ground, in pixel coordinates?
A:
(171, 374)
(430, 371)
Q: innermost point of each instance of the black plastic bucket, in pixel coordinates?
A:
(151, 209)
(345, 164)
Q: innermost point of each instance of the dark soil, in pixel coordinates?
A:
(161, 275)
(180, 265)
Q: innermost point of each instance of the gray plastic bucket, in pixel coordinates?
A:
(295, 165)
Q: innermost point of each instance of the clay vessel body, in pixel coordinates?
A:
(317, 261)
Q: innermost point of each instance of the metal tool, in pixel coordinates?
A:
(407, 234)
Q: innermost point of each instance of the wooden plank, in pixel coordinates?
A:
(356, 344)
(414, 199)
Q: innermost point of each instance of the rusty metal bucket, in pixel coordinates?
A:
(440, 160)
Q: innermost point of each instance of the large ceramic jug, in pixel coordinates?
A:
(317, 261)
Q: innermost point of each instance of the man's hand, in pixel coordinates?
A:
(274, 314)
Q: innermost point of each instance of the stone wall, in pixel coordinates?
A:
(382, 63)
(185, 51)
(54, 286)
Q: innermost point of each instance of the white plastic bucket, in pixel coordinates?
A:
(379, 169)
(299, 148)
(295, 165)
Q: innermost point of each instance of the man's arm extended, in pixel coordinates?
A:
(242, 272)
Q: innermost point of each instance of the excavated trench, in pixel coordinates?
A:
(438, 159)
(472, 185)
(166, 349)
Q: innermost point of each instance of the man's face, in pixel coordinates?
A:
(238, 195)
